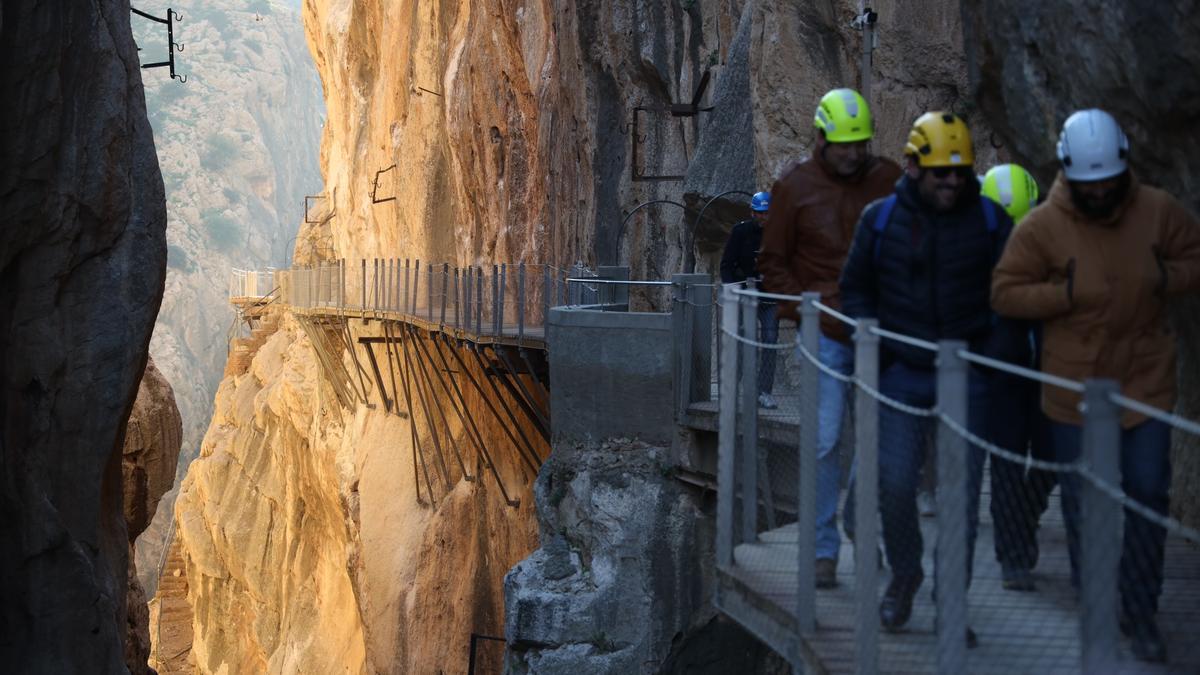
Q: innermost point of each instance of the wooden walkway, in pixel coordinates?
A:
(1018, 632)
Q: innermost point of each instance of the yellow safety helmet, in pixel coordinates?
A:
(1013, 188)
(940, 139)
(844, 117)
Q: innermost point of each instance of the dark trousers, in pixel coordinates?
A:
(1019, 496)
(1146, 478)
(902, 452)
(768, 333)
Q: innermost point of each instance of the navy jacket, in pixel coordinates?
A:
(929, 275)
(741, 251)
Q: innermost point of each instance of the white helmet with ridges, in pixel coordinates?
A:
(1092, 146)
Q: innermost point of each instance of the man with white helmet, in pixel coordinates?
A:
(1096, 265)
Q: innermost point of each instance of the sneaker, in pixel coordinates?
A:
(926, 504)
(1016, 578)
(896, 607)
(826, 573)
(767, 401)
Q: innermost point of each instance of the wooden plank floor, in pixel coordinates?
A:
(1018, 632)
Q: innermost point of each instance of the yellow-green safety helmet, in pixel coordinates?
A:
(1013, 188)
(940, 139)
(844, 117)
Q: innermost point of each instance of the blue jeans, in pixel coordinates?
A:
(1145, 477)
(902, 452)
(831, 408)
(768, 333)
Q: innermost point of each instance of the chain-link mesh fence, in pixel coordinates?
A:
(1039, 543)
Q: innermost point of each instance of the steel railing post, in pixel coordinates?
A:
(503, 293)
(866, 496)
(429, 281)
(521, 302)
(479, 300)
(495, 300)
(416, 287)
(546, 300)
(1099, 536)
(364, 284)
(457, 300)
(806, 485)
(727, 430)
(748, 418)
(445, 290)
(950, 566)
(407, 285)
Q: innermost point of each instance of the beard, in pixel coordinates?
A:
(1103, 207)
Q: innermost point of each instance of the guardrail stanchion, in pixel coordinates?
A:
(748, 419)
(364, 285)
(479, 300)
(950, 566)
(457, 300)
(503, 292)
(445, 290)
(806, 486)
(866, 496)
(429, 308)
(1099, 536)
(520, 303)
(727, 430)
(546, 272)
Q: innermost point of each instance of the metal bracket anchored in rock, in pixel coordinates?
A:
(172, 45)
(680, 110)
(375, 187)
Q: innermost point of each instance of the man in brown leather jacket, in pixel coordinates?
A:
(1096, 265)
(815, 206)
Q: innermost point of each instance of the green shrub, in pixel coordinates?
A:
(222, 230)
(219, 152)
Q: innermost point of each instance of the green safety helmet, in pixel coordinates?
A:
(844, 117)
(1013, 188)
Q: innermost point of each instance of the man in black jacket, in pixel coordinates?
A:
(737, 265)
(921, 263)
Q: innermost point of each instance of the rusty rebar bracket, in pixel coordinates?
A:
(172, 45)
(679, 110)
(375, 187)
(307, 207)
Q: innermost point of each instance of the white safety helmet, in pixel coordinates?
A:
(1092, 146)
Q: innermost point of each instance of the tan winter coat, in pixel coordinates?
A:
(1114, 322)
(809, 230)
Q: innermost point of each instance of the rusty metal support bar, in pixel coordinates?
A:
(537, 460)
(387, 401)
(523, 396)
(412, 428)
(416, 339)
(437, 443)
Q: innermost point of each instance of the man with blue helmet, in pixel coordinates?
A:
(738, 264)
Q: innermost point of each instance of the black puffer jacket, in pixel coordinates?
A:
(929, 275)
(741, 251)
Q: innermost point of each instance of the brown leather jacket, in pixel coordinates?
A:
(810, 227)
(1113, 323)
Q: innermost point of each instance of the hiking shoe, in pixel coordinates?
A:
(1148, 643)
(767, 401)
(1017, 579)
(926, 504)
(826, 573)
(896, 607)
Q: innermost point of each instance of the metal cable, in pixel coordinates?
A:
(1180, 423)
(869, 390)
(1171, 525)
(760, 345)
(835, 314)
(992, 448)
(906, 339)
(1029, 373)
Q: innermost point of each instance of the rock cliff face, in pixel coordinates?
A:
(1129, 59)
(152, 439)
(82, 259)
(306, 548)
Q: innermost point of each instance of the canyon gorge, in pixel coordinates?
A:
(308, 538)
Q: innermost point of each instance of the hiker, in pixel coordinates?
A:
(815, 205)
(737, 265)
(1019, 497)
(921, 264)
(1095, 265)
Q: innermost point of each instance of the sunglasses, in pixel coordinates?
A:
(942, 172)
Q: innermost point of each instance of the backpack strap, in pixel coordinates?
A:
(882, 217)
(989, 214)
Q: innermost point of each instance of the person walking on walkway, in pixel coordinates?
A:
(815, 204)
(737, 265)
(921, 263)
(1096, 265)
(1019, 497)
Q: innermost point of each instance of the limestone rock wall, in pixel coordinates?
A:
(305, 545)
(153, 437)
(82, 258)
(1135, 60)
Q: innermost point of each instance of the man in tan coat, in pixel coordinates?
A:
(1096, 265)
(814, 208)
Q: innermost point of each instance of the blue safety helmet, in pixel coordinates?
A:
(761, 201)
